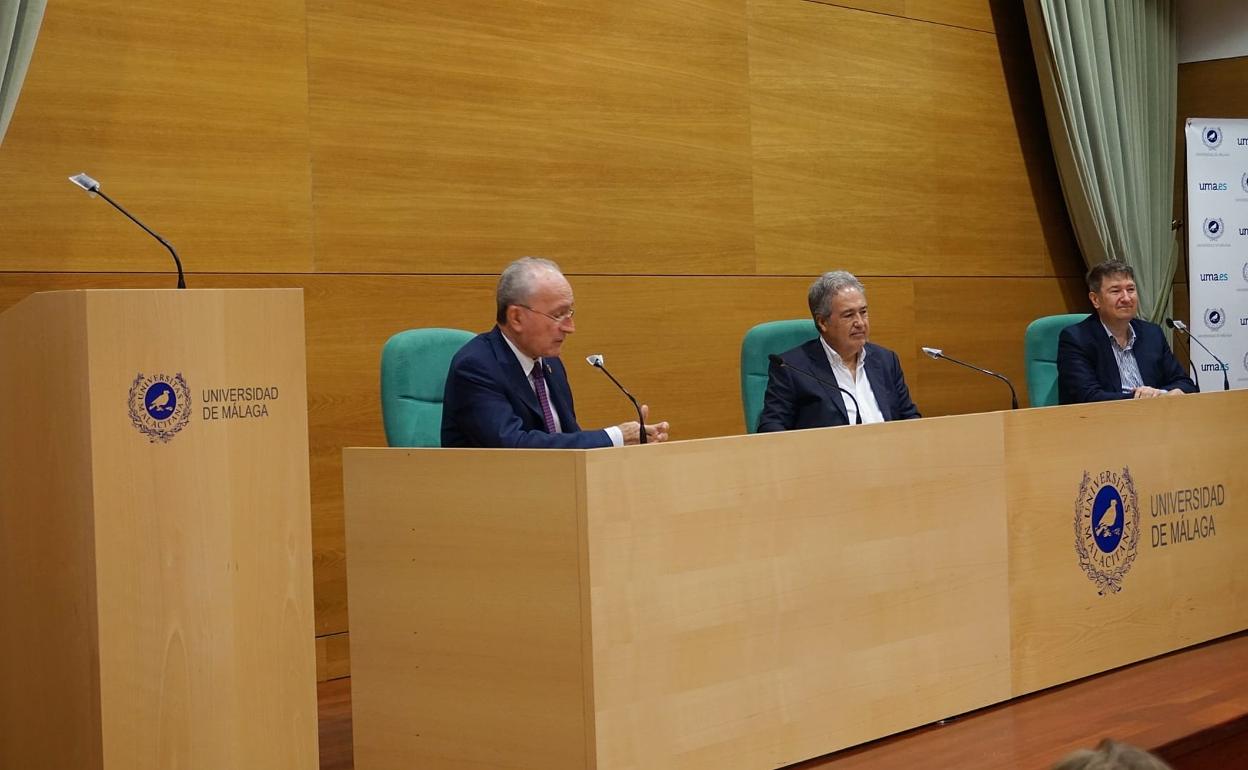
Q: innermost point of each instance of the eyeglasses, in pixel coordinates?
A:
(563, 317)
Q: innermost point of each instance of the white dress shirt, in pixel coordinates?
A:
(856, 383)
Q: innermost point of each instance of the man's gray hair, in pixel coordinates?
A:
(828, 286)
(516, 284)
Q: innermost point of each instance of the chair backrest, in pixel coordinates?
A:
(760, 342)
(1040, 352)
(414, 364)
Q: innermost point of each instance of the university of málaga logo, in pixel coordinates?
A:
(160, 405)
(1243, 181)
(1246, 362)
(1107, 528)
(1215, 318)
(1213, 229)
(1212, 137)
(1244, 272)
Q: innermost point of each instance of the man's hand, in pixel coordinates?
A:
(1146, 392)
(655, 433)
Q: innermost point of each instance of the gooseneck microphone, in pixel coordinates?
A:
(596, 361)
(938, 353)
(93, 188)
(778, 361)
(1173, 324)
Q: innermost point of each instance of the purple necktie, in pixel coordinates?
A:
(539, 384)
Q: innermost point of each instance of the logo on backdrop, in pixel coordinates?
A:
(1107, 528)
(1212, 137)
(1246, 362)
(1243, 181)
(160, 405)
(1213, 229)
(1244, 272)
(1215, 318)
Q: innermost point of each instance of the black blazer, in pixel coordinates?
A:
(794, 401)
(488, 402)
(1087, 370)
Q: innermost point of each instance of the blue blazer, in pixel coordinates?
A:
(1087, 370)
(488, 402)
(794, 401)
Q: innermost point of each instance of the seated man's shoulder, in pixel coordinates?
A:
(799, 353)
(476, 347)
(882, 352)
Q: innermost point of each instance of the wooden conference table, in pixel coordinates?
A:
(753, 601)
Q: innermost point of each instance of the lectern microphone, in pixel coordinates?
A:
(938, 353)
(596, 361)
(93, 188)
(1174, 324)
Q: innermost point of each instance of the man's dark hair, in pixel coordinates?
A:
(1108, 269)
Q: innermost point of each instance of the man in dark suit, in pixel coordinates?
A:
(1111, 354)
(840, 356)
(508, 388)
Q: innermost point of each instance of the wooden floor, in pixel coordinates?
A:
(1190, 707)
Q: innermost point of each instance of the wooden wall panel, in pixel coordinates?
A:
(613, 137)
(972, 14)
(1213, 89)
(982, 321)
(390, 158)
(192, 115)
(887, 146)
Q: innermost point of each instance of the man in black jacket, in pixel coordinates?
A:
(1111, 354)
(840, 356)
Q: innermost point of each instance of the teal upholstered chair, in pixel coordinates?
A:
(1040, 351)
(414, 364)
(760, 342)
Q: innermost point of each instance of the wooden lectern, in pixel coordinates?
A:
(748, 602)
(155, 544)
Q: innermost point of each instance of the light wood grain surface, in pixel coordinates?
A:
(761, 600)
(754, 601)
(49, 668)
(467, 624)
(1174, 594)
(195, 601)
(692, 164)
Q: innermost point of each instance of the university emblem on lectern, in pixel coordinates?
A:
(1107, 527)
(160, 405)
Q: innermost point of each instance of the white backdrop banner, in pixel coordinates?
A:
(1217, 241)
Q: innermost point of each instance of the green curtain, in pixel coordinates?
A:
(19, 26)
(1108, 74)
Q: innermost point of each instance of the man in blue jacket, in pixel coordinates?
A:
(508, 388)
(1111, 354)
(840, 357)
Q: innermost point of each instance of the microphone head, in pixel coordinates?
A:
(934, 352)
(595, 360)
(1170, 322)
(775, 359)
(85, 182)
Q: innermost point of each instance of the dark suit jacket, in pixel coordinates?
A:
(795, 401)
(1087, 370)
(488, 402)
